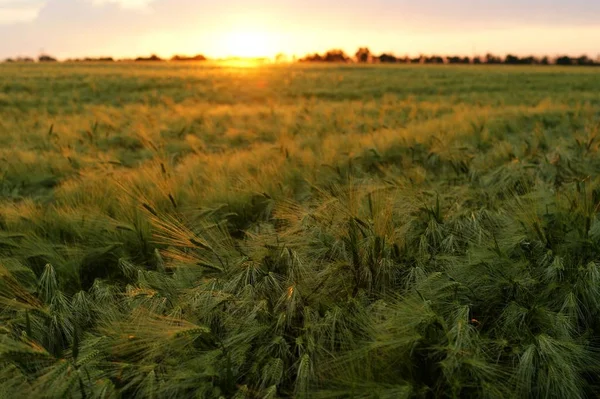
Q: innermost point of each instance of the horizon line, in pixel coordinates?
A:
(291, 56)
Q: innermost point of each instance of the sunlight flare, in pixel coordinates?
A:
(248, 44)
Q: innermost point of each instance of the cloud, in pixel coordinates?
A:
(16, 11)
(73, 28)
(130, 4)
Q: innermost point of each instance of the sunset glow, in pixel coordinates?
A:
(248, 44)
(235, 28)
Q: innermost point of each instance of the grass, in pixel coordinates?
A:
(299, 231)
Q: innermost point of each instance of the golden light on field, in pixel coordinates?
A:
(248, 44)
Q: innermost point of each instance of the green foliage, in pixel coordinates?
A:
(305, 231)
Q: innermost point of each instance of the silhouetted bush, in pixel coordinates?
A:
(512, 59)
(153, 57)
(363, 55)
(434, 59)
(100, 59)
(46, 58)
(91, 59)
(387, 58)
(564, 60)
(9, 60)
(492, 59)
(312, 58)
(198, 57)
(330, 56)
(584, 60)
(530, 60)
(515, 60)
(336, 56)
(458, 60)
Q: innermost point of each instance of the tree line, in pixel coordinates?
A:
(364, 56)
(153, 57)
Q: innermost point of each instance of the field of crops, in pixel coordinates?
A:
(206, 231)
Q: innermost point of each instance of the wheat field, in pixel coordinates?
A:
(215, 231)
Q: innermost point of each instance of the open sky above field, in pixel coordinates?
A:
(123, 28)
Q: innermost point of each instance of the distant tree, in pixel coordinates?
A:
(458, 60)
(584, 60)
(477, 60)
(387, 58)
(9, 60)
(530, 60)
(153, 57)
(92, 59)
(24, 59)
(198, 57)
(46, 58)
(512, 59)
(363, 55)
(545, 60)
(434, 59)
(563, 60)
(312, 58)
(492, 59)
(336, 56)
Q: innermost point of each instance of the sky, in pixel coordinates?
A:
(221, 28)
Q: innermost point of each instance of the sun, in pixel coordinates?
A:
(248, 44)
